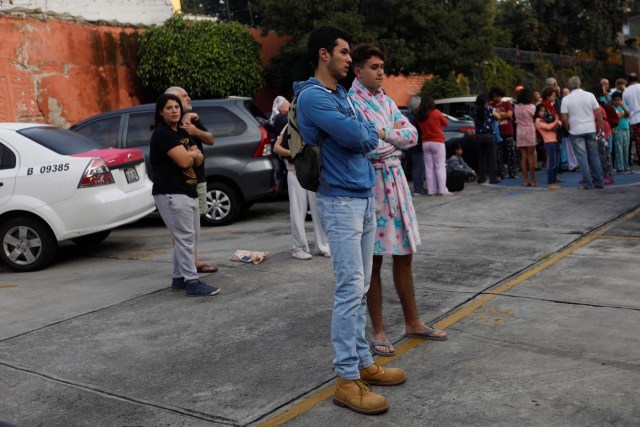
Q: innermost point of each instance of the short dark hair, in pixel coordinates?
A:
(160, 104)
(633, 77)
(525, 96)
(361, 54)
(324, 37)
(495, 91)
(547, 92)
(616, 94)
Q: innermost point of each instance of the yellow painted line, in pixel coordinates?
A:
(8, 286)
(411, 343)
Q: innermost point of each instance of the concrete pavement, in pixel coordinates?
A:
(538, 290)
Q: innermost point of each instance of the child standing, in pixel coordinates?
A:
(603, 148)
(621, 135)
(550, 139)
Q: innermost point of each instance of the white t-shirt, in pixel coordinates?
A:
(579, 106)
(631, 97)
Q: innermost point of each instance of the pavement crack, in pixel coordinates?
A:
(290, 401)
(81, 315)
(557, 352)
(121, 397)
(558, 301)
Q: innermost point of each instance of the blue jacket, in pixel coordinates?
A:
(345, 171)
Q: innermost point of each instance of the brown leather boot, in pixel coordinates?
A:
(357, 396)
(377, 375)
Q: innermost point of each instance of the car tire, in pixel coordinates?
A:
(91, 239)
(28, 244)
(224, 204)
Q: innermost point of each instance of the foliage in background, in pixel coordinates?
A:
(562, 26)
(440, 37)
(209, 59)
(420, 36)
(438, 87)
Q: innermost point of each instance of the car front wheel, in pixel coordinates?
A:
(223, 204)
(27, 244)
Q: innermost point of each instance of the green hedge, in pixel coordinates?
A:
(209, 59)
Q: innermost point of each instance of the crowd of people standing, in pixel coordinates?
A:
(563, 129)
(363, 208)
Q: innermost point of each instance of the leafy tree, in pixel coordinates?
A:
(439, 87)
(562, 26)
(209, 59)
(424, 36)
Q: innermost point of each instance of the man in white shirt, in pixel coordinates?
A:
(578, 110)
(631, 98)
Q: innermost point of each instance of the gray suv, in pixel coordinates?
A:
(238, 166)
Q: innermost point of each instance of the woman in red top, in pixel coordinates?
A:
(431, 120)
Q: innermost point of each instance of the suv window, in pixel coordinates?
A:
(7, 158)
(104, 131)
(220, 121)
(254, 110)
(459, 110)
(139, 129)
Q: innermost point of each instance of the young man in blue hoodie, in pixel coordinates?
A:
(347, 212)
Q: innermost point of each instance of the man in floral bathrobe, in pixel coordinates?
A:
(397, 231)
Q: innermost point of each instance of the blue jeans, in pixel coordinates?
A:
(585, 148)
(552, 153)
(350, 227)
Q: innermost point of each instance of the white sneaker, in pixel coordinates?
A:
(301, 254)
(326, 254)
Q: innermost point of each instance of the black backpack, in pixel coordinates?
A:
(305, 157)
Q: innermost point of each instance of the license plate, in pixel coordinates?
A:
(131, 174)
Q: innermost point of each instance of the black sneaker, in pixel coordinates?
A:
(177, 284)
(198, 288)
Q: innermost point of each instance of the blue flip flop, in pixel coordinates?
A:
(374, 344)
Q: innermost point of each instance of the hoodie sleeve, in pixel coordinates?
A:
(317, 108)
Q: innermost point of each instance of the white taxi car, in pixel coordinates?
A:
(57, 185)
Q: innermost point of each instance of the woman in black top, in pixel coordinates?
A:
(173, 155)
(484, 117)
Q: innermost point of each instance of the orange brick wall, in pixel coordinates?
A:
(402, 88)
(62, 71)
(59, 72)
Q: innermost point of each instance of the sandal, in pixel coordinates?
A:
(206, 268)
(387, 344)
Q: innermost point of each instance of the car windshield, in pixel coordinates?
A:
(61, 141)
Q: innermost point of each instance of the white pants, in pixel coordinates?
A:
(435, 166)
(298, 199)
(572, 161)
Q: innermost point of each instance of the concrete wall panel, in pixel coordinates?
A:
(146, 12)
